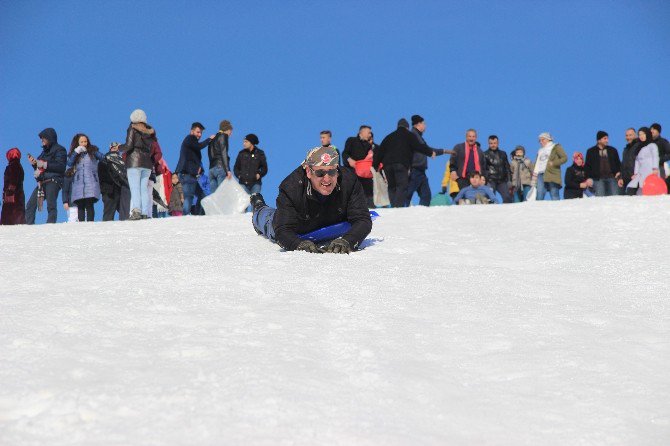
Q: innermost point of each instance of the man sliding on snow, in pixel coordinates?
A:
(315, 195)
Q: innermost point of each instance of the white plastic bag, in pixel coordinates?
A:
(229, 198)
(380, 189)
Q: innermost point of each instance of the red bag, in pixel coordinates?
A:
(363, 166)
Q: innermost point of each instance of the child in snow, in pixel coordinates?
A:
(522, 173)
(13, 197)
(176, 197)
(477, 192)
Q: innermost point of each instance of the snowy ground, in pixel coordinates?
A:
(542, 323)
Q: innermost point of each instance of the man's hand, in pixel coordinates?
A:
(339, 246)
(32, 160)
(453, 176)
(229, 174)
(212, 136)
(309, 246)
(258, 176)
(620, 182)
(41, 164)
(434, 155)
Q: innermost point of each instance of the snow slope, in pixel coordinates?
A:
(539, 323)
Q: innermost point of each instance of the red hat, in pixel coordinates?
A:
(13, 153)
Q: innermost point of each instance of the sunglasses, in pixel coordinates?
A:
(322, 172)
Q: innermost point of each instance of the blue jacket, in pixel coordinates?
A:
(470, 193)
(85, 183)
(55, 156)
(190, 157)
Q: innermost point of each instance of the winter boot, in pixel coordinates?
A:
(257, 201)
(135, 214)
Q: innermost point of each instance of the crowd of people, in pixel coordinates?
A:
(134, 181)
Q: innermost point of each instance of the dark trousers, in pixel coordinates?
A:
(398, 179)
(418, 182)
(367, 190)
(502, 189)
(85, 209)
(116, 200)
(51, 189)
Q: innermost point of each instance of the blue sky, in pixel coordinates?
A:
(285, 70)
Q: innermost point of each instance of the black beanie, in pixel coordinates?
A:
(253, 139)
(403, 123)
(601, 134)
(416, 119)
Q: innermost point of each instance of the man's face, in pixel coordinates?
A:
(602, 142)
(247, 145)
(229, 132)
(197, 132)
(421, 126)
(471, 137)
(630, 135)
(475, 181)
(325, 139)
(655, 133)
(364, 134)
(45, 142)
(325, 185)
(493, 144)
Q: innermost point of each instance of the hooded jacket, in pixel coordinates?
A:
(55, 155)
(137, 149)
(300, 210)
(13, 197)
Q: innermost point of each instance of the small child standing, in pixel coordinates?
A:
(176, 197)
(476, 192)
(522, 173)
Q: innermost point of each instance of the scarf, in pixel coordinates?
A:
(543, 158)
(469, 148)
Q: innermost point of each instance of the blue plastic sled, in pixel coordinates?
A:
(331, 232)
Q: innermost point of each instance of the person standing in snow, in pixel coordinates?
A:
(396, 152)
(522, 174)
(663, 151)
(357, 156)
(628, 161)
(547, 171)
(176, 207)
(575, 178)
(467, 158)
(219, 159)
(84, 158)
(190, 162)
(498, 170)
(139, 139)
(114, 185)
(317, 194)
(646, 160)
(418, 180)
(251, 165)
(13, 197)
(603, 167)
(49, 170)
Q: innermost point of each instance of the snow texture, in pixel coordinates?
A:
(538, 323)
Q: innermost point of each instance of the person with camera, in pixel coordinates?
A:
(49, 170)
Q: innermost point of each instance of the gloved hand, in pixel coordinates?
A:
(309, 246)
(339, 246)
(41, 164)
(37, 173)
(80, 149)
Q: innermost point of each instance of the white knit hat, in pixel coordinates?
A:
(138, 116)
(546, 135)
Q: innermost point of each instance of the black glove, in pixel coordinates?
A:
(339, 246)
(309, 246)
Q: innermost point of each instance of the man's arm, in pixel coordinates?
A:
(359, 217)
(416, 146)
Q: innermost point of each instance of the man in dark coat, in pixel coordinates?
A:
(356, 149)
(251, 165)
(395, 153)
(603, 166)
(467, 158)
(663, 151)
(49, 170)
(190, 160)
(628, 161)
(114, 185)
(498, 171)
(418, 180)
(13, 198)
(315, 195)
(219, 159)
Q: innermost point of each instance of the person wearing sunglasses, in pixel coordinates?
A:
(315, 195)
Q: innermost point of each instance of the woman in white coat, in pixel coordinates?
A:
(646, 161)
